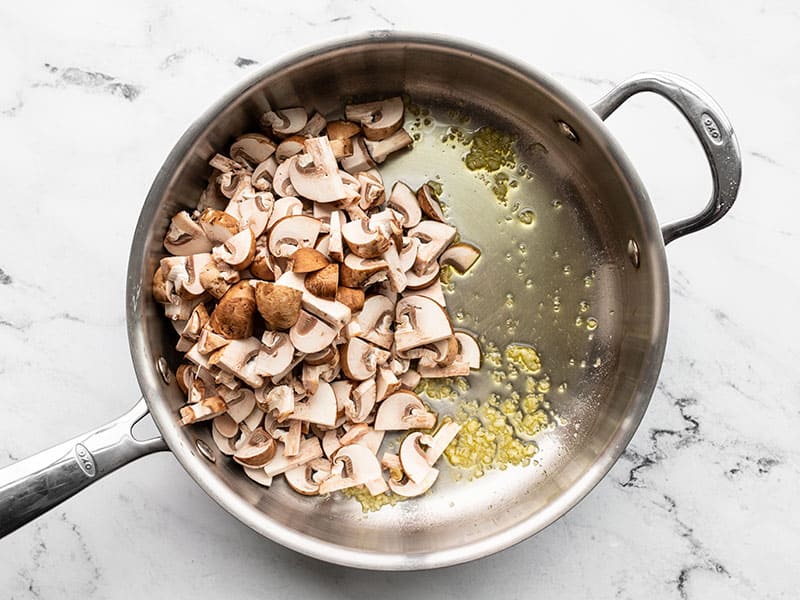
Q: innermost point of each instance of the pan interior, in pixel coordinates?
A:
(530, 286)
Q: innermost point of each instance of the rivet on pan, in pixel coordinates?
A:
(633, 253)
(203, 449)
(163, 370)
(567, 131)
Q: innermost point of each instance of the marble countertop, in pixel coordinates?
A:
(703, 504)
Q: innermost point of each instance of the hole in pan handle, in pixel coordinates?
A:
(32, 486)
(713, 130)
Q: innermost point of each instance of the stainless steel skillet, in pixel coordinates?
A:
(596, 240)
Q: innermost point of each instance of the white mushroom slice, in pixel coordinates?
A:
(330, 443)
(277, 401)
(434, 291)
(342, 148)
(253, 421)
(378, 119)
(399, 365)
(391, 462)
(210, 341)
(359, 466)
(252, 149)
(257, 450)
(293, 232)
(335, 247)
(460, 256)
(300, 479)
(469, 349)
(218, 225)
(342, 130)
(225, 425)
(379, 151)
(408, 253)
(238, 251)
(206, 409)
(234, 185)
(362, 401)
(360, 160)
(372, 191)
(284, 207)
(319, 408)
(410, 379)
(180, 309)
(275, 355)
(261, 177)
(387, 383)
(439, 442)
(357, 272)
(413, 458)
(374, 322)
(286, 121)
(360, 359)
(217, 278)
(432, 370)
(363, 241)
(310, 334)
(433, 240)
(424, 280)
(289, 147)
(224, 164)
(332, 312)
(314, 126)
(395, 272)
(238, 357)
(242, 407)
(258, 475)
(315, 175)
(419, 321)
(403, 200)
(185, 237)
(281, 179)
(410, 489)
(226, 445)
(309, 450)
(429, 203)
(190, 333)
(291, 442)
(403, 410)
(255, 211)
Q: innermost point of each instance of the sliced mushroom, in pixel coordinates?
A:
(335, 247)
(301, 480)
(419, 321)
(410, 379)
(238, 251)
(289, 147)
(398, 281)
(311, 334)
(387, 383)
(315, 175)
(281, 179)
(429, 203)
(226, 445)
(358, 466)
(439, 442)
(186, 237)
(403, 410)
(325, 282)
(360, 160)
(424, 280)
(314, 126)
(363, 241)
(255, 211)
(261, 177)
(225, 425)
(236, 357)
(307, 260)
(252, 149)
(469, 349)
(310, 449)
(206, 409)
(192, 287)
(257, 450)
(193, 328)
(342, 148)
(378, 119)
(460, 256)
(413, 458)
(291, 442)
(403, 200)
(360, 359)
(242, 406)
(291, 233)
(374, 322)
(218, 225)
(233, 316)
(411, 489)
(258, 475)
(276, 354)
(434, 238)
(434, 292)
(379, 151)
(319, 408)
(362, 402)
(431, 369)
(284, 207)
(358, 272)
(286, 121)
(342, 130)
(372, 191)
(278, 305)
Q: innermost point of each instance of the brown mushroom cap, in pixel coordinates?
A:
(353, 298)
(307, 260)
(325, 282)
(233, 316)
(278, 305)
(341, 130)
(429, 203)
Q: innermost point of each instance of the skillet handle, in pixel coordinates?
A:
(32, 486)
(713, 130)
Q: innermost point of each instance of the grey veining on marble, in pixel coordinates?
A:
(703, 504)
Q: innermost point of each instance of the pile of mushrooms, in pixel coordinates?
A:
(308, 304)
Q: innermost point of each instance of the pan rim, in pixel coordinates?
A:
(494, 542)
